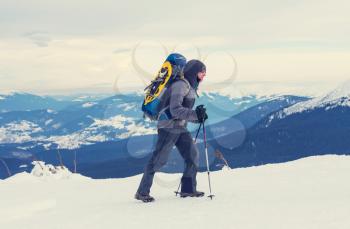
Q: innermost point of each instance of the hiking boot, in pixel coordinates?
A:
(193, 194)
(144, 197)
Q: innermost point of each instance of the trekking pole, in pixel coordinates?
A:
(200, 125)
(206, 157)
(178, 188)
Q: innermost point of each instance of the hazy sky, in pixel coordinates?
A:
(65, 46)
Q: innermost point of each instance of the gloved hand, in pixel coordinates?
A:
(201, 113)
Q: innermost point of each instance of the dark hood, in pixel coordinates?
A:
(191, 71)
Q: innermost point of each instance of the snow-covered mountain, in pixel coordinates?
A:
(338, 97)
(257, 134)
(113, 126)
(90, 121)
(310, 193)
(128, 156)
(312, 127)
(252, 115)
(80, 123)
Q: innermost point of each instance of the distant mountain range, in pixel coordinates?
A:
(135, 149)
(83, 121)
(114, 141)
(94, 126)
(313, 127)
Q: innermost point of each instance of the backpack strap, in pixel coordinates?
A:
(164, 114)
(187, 84)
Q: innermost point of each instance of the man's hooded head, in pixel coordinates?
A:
(191, 70)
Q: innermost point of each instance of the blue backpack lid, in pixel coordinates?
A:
(177, 59)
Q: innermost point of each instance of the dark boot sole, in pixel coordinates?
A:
(145, 200)
(184, 195)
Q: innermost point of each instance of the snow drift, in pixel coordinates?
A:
(308, 193)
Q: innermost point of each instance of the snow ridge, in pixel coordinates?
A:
(338, 97)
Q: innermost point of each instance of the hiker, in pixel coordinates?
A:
(178, 101)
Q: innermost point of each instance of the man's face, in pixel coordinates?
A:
(201, 75)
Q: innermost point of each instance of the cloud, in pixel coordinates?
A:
(121, 50)
(68, 64)
(241, 21)
(41, 39)
(84, 43)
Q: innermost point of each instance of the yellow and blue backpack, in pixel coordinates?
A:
(171, 69)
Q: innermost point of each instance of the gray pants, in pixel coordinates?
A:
(167, 138)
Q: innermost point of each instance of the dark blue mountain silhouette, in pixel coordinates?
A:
(128, 156)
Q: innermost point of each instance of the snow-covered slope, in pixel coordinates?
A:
(101, 130)
(311, 193)
(89, 121)
(338, 97)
